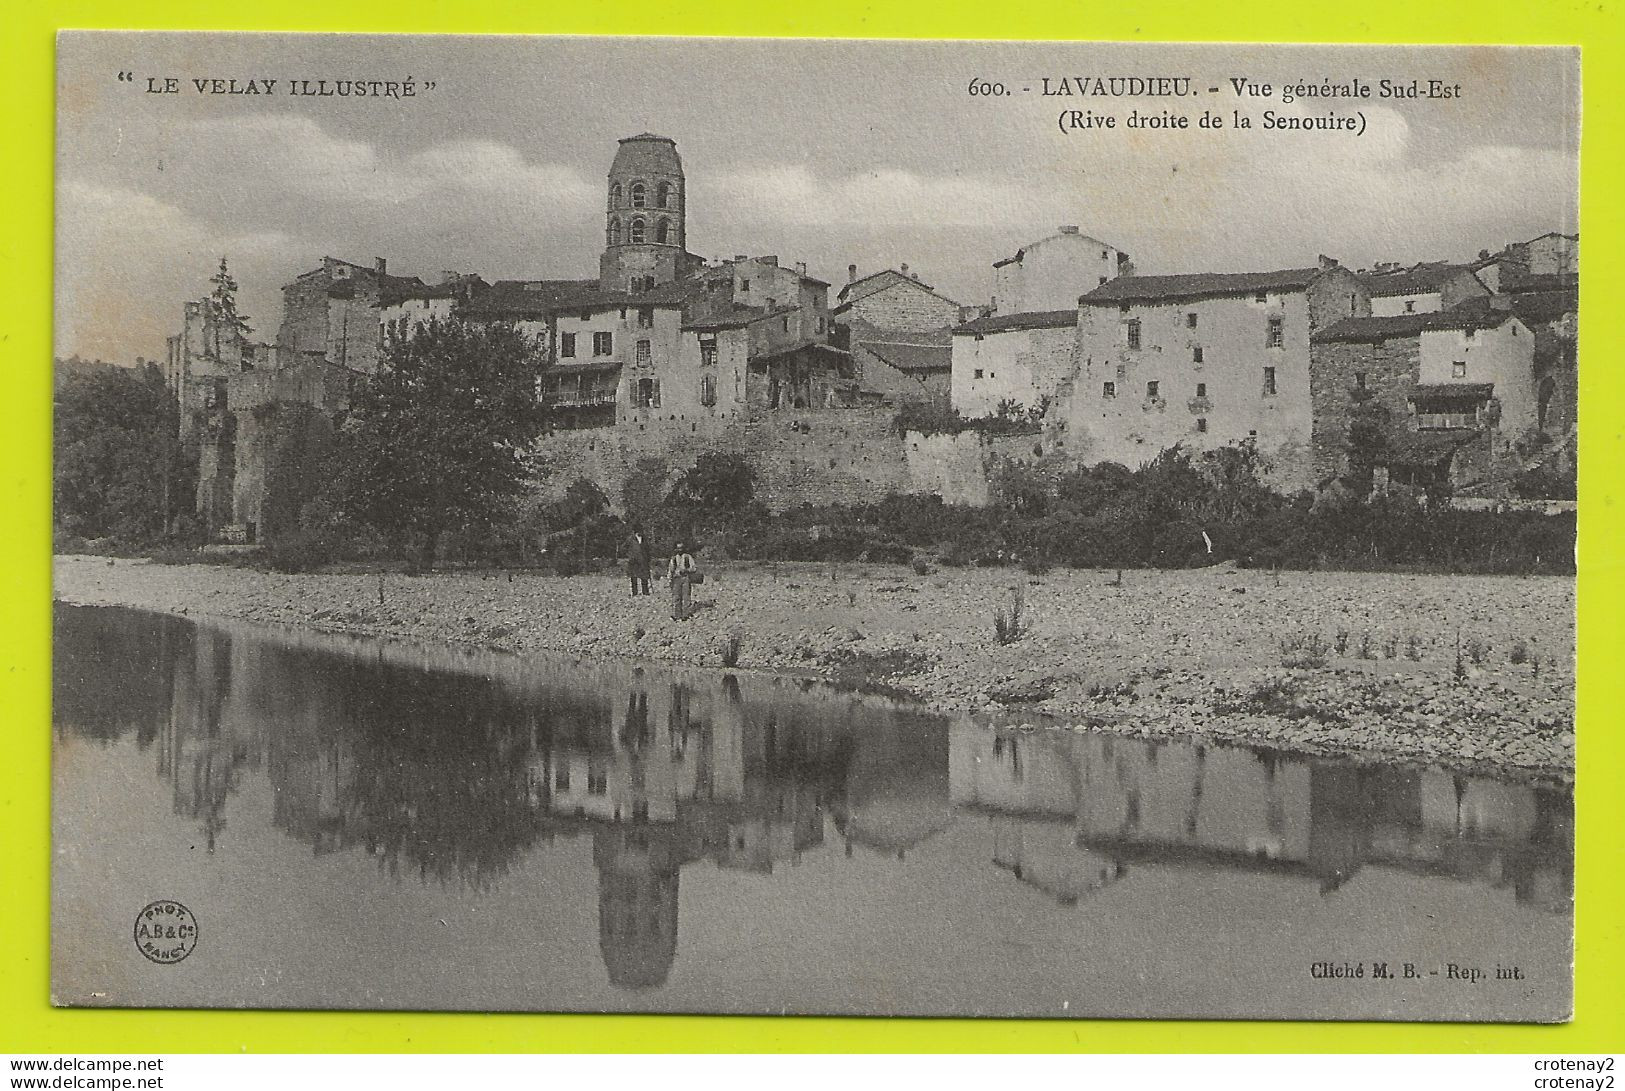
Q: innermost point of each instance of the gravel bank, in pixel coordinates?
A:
(1337, 662)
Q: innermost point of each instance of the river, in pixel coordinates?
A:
(358, 823)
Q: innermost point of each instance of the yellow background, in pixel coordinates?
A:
(29, 1024)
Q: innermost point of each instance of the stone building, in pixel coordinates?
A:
(1422, 288)
(1050, 274)
(645, 217)
(1452, 390)
(899, 331)
(333, 310)
(1553, 317)
(893, 299)
(1542, 263)
(1018, 361)
(1204, 360)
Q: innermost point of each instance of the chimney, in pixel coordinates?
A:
(380, 266)
(741, 257)
(1328, 262)
(1069, 229)
(904, 269)
(851, 273)
(447, 276)
(769, 259)
(801, 268)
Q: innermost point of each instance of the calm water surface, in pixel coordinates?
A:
(357, 823)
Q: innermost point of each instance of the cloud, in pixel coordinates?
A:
(1179, 200)
(126, 261)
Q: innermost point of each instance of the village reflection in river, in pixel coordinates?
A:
(451, 768)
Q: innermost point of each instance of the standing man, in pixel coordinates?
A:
(637, 560)
(678, 572)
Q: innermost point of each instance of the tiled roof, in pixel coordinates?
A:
(1424, 277)
(1457, 390)
(1197, 285)
(531, 298)
(1476, 313)
(1548, 306)
(399, 293)
(1517, 281)
(912, 357)
(867, 286)
(730, 316)
(1027, 320)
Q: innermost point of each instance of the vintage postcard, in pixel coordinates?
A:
(772, 526)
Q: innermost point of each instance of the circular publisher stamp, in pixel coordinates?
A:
(165, 932)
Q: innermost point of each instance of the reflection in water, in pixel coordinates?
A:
(453, 775)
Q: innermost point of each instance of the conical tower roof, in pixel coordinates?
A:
(646, 153)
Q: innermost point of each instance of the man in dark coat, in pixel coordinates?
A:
(637, 560)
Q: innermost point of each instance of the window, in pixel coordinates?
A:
(646, 318)
(1102, 280)
(1458, 369)
(614, 234)
(561, 779)
(1261, 297)
(615, 195)
(1196, 354)
(1359, 380)
(663, 231)
(1134, 333)
(818, 324)
(663, 195)
(1151, 389)
(1277, 334)
(708, 353)
(1108, 390)
(640, 196)
(637, 232)
(1190, 320)
(567, 344)
(1122, 308)
(1201, 424)
(1410, 306)
(1201, 390)
(597, 782)
(1269, 380)
(1103, 255)
(744, 285)
(708, 389)
(603, 344)
(977, 374)
(785, 323)
(646, 393)
(643, 354)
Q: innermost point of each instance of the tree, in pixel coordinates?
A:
(716, 483)
(227, 321)
(1368, 445)
(443, 437)
(119, 469)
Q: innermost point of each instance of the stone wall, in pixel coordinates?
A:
(1390, 369)
(903, 306)
(845, 456)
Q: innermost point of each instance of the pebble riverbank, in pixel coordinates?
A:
(1469, 672)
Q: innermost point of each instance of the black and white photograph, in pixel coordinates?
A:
(1068, 530)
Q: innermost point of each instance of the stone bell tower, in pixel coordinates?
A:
(645, 237)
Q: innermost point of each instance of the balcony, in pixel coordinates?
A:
(578, 399)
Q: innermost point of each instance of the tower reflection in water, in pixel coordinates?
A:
(453, 766)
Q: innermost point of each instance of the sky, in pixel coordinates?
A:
(832, 153)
